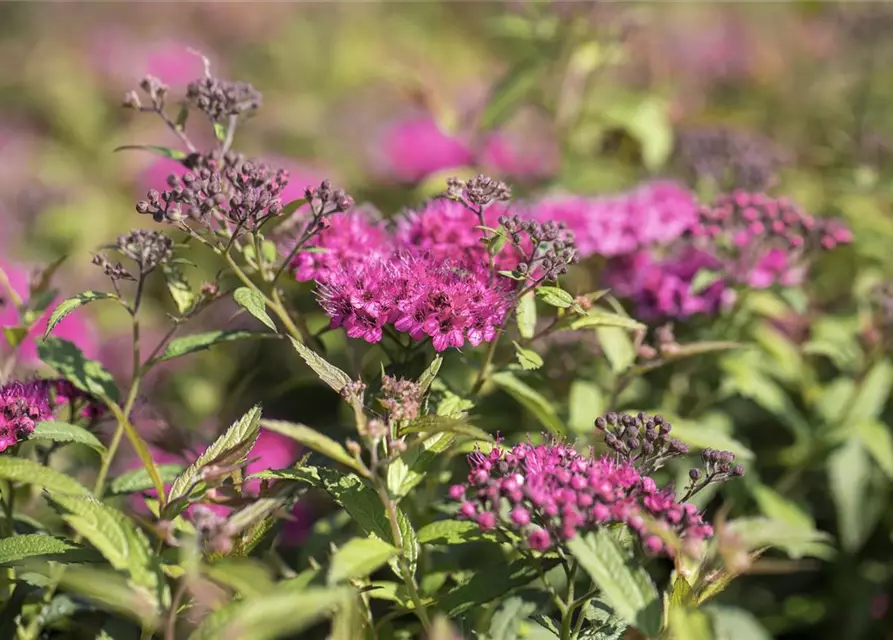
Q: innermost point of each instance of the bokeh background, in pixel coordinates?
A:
(387, 99)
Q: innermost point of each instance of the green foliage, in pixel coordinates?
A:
(202, 341)
(33, 473)
(69, 361)
(64, 433)
(315, 441)
(253, 302)
(67, 306)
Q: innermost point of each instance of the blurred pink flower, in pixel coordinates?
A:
(124, 58)
(73, 327)
(507, 156)
(416, 147)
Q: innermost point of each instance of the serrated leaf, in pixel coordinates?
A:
(604, 319)
(203, 341)
(532, 400)
(276, 615)
(253, 302)
(529, 359)
(63, 432)
(178, 286)
(71, 363)
(40, 545)
(449, 532)
(70, 304)
(315, 441)
(555, 296)
(525, 315)
(138, 480)
(328, 373)
(30, 472)
(165, 152)
(427, 378)
(507, 620)
(617, 347)
(878, 441)
(627, 588)
(116, 537)
(229, 449)
(359, 558)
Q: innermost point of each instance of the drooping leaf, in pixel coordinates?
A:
(165, 152)
(525, 315)
(229, 449)
(315, 441)
(350, 620)
(427, 378)
(67, 306)
(201, 341)
(71, 363)
(62, 432)
(138, 479)
(532, 400)
(40, 545)
(359, 558)
(328, 373)
(555, 296)
(253, 302)
(627, 588)
(528, 358)
(604, 319)
(30, 472)
(178, 286)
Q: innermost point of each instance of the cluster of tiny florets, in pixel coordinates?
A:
(147, 248)
(401, 398)
(550, 247)
(22, 406)
(221, 99)
(479, 192)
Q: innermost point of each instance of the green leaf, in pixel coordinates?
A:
(617, 346)
(431, 424)
(65, 433)
(520, 81)
(30, 472)
(220, 131)
(704, 279)
(139, 480)
(328, 373)
(229, 449)
(116, 537)
(585, 403)
(689, 624)
(410, 468)
(627, 588)
(506, 622)
(67, 306)
(734, 623)
(797, 541)
(648, 122)
(71, 363)
(878, 441)
(873, 393)
(246, 576)
(525, 315)
(849, 474)
(315, 441)
(203, 341)
(490, 582)
(253, 302)
(33, 545)
(532, 400)
(280, 614)
(15, 335)
(704, 437)
(527, 358)
(427, 378)
(555, 296)
(777, 507)
(292, 206)
(603, 319)
(359, 558)
(350, 621)
(178, 286)
(165, 152)
(450, 532)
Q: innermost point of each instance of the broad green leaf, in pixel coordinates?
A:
(617, 347)
(253, 302)
(350, 621)
(704, 279)
(532, 400)
(797, 541)
(359, 558)
(229, 449)
(139, 480)
(410, 468)
(46, 547)
(585, 404)
(280, 614)
(604, 319)
(489, 582)
(777, 507)
(603, 623)
(328, 373)
(878, 441)
(849, 475)
(449, 532)
(166, 152)
(117, 538)
(71, 363)
(647, 121)
(67, 306)
(15, 335)
(627, 588)
(873, 393)
(688, 624)
(447, 403)
(202, 341)
(291, 207)
(30, 472)
(432, 424)
(681, 595)
(246, 576)
(555, 296)
(178, 286)
(62, 432)
(525, 315)
(506, 622)
(528, 358)
(315, 441)
(427, 378)
(734, 623)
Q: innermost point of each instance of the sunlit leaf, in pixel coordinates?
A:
(525, 315)
(253, 302)
(62, 432)
(71, 363)
(138, 479)
(165, 152)
(315, 441)
(359, 558)
(67, 306)
(555, 296)
(29, 472)
(527, 358)
(328, 373)
(202, 341)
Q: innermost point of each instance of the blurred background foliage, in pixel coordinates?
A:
(600, 96)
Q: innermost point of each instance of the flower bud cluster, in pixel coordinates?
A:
(154, 89)
(401, 398)
(220, 99)
(148, 249)
(551, 247)
(479, 192)
(22, 406)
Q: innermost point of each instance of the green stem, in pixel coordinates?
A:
(484, 371)
(567, 616)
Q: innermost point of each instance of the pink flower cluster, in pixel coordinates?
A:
(654, 213)
(550, 492)
(22, 406)
(417, 294)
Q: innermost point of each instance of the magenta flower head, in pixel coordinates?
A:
(417, 147)
(22, 406)
(549, 493)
